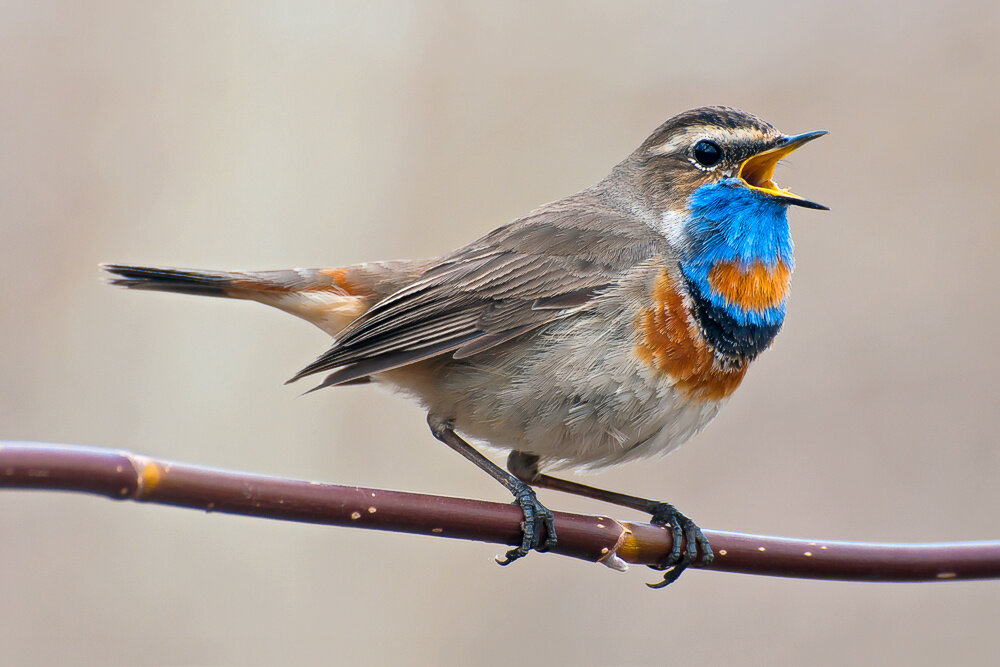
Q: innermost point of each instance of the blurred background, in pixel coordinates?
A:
(275, 135)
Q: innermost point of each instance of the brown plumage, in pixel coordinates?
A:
(575, 335)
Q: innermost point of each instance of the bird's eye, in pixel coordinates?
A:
(707, 153)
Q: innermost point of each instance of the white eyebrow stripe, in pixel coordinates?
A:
(676, 144)
(681, 142)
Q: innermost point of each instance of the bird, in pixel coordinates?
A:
(608, 326)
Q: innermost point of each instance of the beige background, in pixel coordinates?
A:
(238, 135)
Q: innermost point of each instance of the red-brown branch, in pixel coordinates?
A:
(124, 476)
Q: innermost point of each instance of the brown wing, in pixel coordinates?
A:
(515, 279)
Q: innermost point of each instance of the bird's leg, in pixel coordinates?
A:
(538, 520)
(682, 529)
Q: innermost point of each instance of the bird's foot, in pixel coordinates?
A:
(538, 521)
(682, 530)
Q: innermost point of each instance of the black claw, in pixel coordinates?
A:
(681, 528)
(537, 518)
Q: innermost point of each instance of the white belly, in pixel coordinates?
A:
(575, 394)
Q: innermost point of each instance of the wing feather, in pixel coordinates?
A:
(512, 281)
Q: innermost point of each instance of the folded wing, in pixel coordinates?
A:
(508, 283)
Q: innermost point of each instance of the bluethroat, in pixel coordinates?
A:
(604, 327)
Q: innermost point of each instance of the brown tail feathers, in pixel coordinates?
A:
(325, 297)
(329, 298)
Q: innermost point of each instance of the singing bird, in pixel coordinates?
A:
(608, 326)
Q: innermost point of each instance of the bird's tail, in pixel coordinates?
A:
(326, 297)
(233, 284)
(183, 281)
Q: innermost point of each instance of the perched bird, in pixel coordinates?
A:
(604, 327)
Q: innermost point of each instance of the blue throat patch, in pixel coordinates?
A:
(730, 223)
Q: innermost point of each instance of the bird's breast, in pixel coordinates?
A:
(757, 287)
(670, 341)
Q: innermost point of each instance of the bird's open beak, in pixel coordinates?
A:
(758, 171)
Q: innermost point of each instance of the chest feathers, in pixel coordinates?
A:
(671, 343)
(737, 266)
(728, 303)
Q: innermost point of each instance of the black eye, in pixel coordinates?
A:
(707, 153)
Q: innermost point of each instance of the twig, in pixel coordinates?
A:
(124, 476)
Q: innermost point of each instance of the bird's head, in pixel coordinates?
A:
(713, 156)
(705, 181)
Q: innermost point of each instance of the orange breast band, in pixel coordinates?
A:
(754, 288)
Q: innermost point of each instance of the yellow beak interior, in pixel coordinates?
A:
(758, 171)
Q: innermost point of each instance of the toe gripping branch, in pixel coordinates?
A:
(538, 521)
(682, 529)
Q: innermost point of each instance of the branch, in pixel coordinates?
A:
(124, 476)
